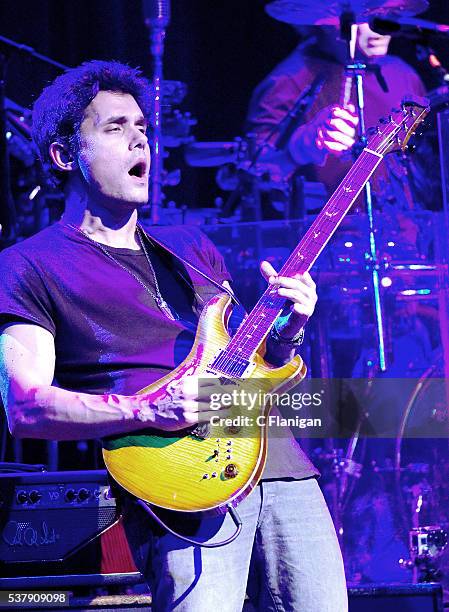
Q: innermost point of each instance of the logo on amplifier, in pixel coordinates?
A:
(18, 533)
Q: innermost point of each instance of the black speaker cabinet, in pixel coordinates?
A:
(426, 597)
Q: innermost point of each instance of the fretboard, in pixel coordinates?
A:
(256, 326)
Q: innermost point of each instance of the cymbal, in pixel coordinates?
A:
(311, 12)
(211, 154)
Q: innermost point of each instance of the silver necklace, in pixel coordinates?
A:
(157, 297)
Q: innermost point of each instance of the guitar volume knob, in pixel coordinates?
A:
(231, 471)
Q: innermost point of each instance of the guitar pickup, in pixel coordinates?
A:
(231, 366)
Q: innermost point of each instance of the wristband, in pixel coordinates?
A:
(292, 343)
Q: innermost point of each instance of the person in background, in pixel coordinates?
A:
(320, 145)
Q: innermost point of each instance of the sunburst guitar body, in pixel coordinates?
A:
(207, 469)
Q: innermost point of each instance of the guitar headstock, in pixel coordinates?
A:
(393, 133)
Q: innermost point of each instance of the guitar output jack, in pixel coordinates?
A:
(232, 430)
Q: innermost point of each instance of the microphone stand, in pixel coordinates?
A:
(30, 51)
(356, 70)
(8, 217)
(157, 37)
(8, 210)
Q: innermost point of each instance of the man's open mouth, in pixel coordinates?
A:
(138, 170)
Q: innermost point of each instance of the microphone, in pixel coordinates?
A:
(385, 27)
(156, 13)
(407, 27)
(290, 122)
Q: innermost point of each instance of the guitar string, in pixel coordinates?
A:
(330, 208)
(335, 199)
(333, 202)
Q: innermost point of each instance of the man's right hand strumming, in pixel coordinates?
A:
(36, 408)
(182, 404)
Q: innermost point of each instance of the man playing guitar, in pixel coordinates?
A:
(94, 309)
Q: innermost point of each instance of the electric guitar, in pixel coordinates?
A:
(214, 466)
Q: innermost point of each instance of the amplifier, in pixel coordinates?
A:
(46, 517)
(424, 597)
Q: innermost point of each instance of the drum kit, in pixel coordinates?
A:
(367, 260)
(400, 269)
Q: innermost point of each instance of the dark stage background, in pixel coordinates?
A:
(220, 49)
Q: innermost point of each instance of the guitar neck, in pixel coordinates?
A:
(319, 233)
(256, 326)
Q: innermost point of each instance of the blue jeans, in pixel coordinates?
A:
(287, 557)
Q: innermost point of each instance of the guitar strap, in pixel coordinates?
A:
(191, 265)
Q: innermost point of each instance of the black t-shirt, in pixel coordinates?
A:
(110, 335)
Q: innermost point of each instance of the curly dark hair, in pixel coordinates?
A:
(59, 110)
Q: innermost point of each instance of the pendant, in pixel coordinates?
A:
(166, 310)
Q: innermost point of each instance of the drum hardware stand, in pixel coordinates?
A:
(248, 185)
(247, 188)
(426, 543)
(443, 303)
(405, 521)
(342, 467)
(284, 129)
